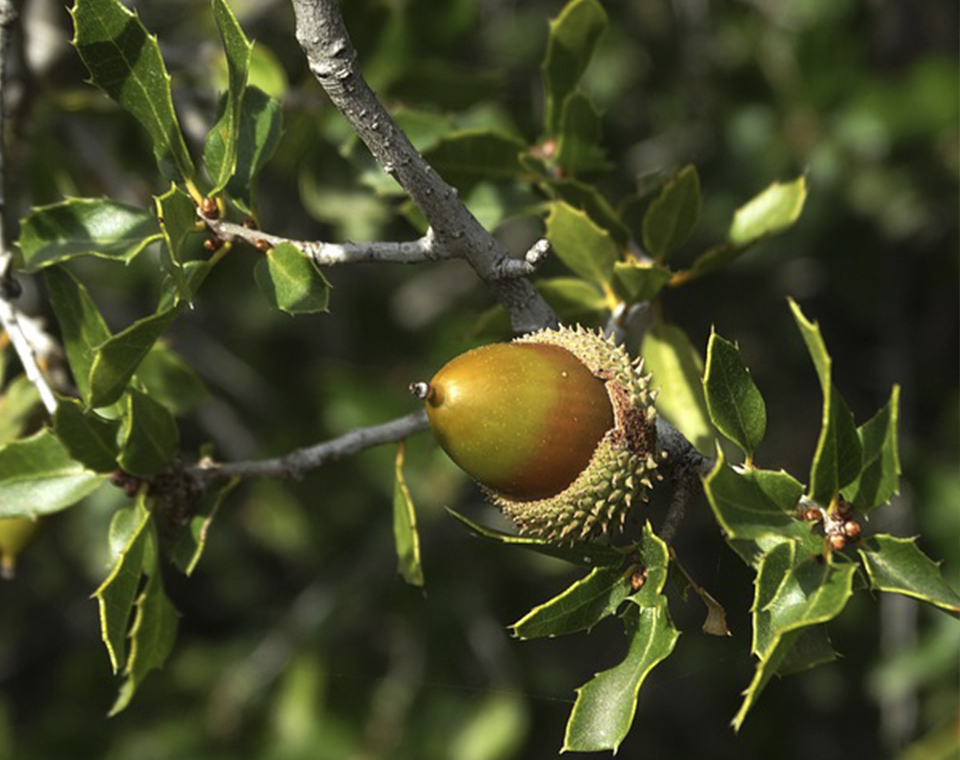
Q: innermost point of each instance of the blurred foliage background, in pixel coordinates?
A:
(298, 639)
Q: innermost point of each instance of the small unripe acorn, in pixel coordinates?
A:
(558, 427)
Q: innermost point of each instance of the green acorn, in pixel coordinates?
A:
(558, 427)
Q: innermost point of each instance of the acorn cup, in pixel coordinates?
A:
(558, 427)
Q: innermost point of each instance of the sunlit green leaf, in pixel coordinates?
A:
(85, 227)
(192, 541)
(178, 216)
(405, 532)
(837, 460)
(637, 282)
(260, 124)
(220, 149)
(170, 380)
(116, 595)
(579, 147)
(90, 438)
(586, 248)
(897, 565)
(573, 35)
(733, 399)
(677, 368)
(292, 281)
(673, 214)
(769, 213)
(125, 62)
(587, 198)
(38, 476)
(879, 479)
(19, 406)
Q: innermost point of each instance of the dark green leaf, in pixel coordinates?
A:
(90, 438)
(605, 706)
(579, 607)
(193, 540)
(589, 554)
(837, 460)
(117, 358)
(152, 635)
(654, 558)
(587, 249)
(755, 503)
(220, 149)
(579, 147)
(793, 592)
(769, 213)
(466, 157)
(260, 121)
(673, 214)
(677, 368)
(125, 62)
(115, 596)
(85, 227)
(587, 198)
(636, 282)
(898, 566)
(292, 281)
(178, 216)
(149, 436)
(811, 648)
(733, 399)
(879, 479)
(82, 328)
(573, 35)
(170, 380)
(38, 476)
(405, 532)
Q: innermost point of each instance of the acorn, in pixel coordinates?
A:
(558, 427)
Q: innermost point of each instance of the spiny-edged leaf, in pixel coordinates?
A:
(733, 399)
(587, 198)
(605, 706)
(260, 121)
(405, 527)
(769, 213)
(117, 358)
(636, 282)
(579, 148)
(676, 367)
(19, 405)
(586, 248)
(754, 503)
(170, 380)
(897, 565)
(673, 214)
(177, 215)
(152, 636)
(837, 460)
(811, 648)
(115, 596)
(192, 541)
(292, 281)
(82, 328)
(90, 438)
(125, 62)
(654, 558)
(173, 289)
(879, 479)
(85, 227)
(573, 35)
(220, 150)
(589, 554)
(580, 607)
(465, 157)
(149, 436)
(793, 592)
(38, 476)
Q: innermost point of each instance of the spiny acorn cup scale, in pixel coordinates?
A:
(557, 426)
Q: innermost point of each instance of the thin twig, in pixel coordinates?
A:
(296, 463)
(423, 249)
(333, 61)
(9, 287)
(687, 466)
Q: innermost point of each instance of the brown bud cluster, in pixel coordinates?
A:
(129, 484)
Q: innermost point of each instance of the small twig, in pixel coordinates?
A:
(423, 249)
(333, 61)
(296, 463)
(9, 287)
(687, 466)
